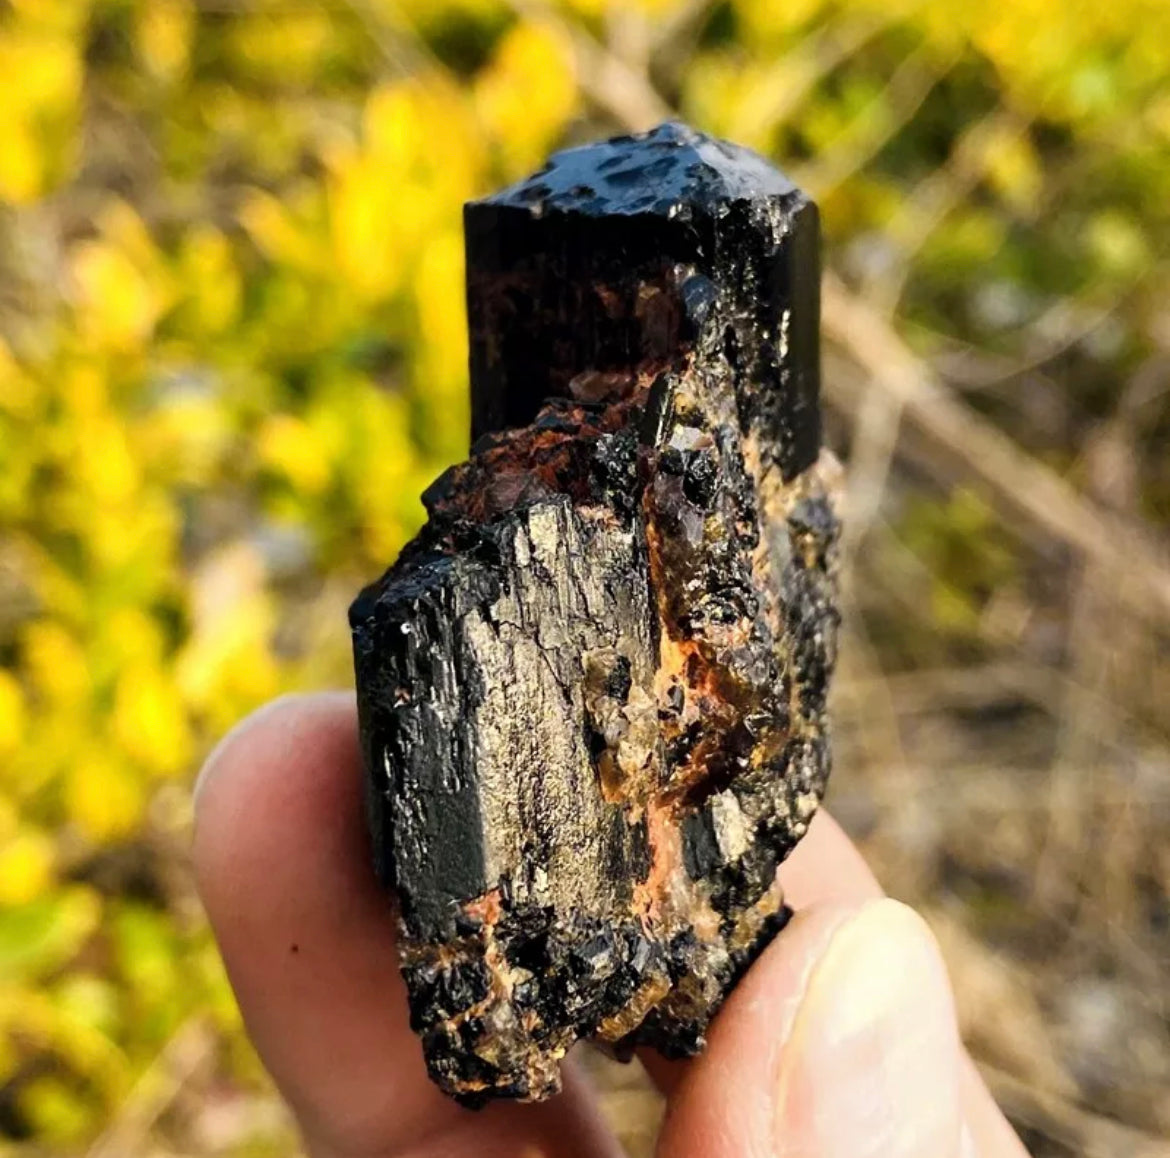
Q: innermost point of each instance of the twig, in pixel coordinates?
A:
(1022, 483)
(936, 196)
(929, 690)
(406, 55)
(869, 132)
(156, 1090)
(795, 75)
(1055, 331)
(682, 21)
(875, 440)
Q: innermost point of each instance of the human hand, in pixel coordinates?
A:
(841, 1041)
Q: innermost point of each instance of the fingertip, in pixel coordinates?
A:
(720, 1102)
(841, 1040)
(988, 1132)
(281, 859)
(284, 783)
(871, 1066)
(278, 729)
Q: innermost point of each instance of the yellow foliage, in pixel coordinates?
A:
(766, 20)
(119, 306)
(55, 664)
(528, 93)
(84, 1048)
(150, 720)
(286, 42)
(209, 280)
(163, 31)
(89, 1000)
(276, 233)
(12, 713)
(442, 365)
(106, 467)
(26, 866)
(103, 796)
(57, 15)
(57, 1113)
(290, 446)
(227, 661)
(1118, 244)
(424, 134)
(1014, 169)
(18, 392)
(40, 86)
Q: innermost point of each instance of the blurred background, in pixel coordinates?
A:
(232, 353)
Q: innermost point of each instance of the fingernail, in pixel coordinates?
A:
(872, 1064)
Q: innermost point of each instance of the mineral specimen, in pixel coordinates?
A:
(592, 690)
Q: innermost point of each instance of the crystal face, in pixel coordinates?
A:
(592, 690)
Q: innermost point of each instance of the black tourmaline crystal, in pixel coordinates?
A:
(592, 690)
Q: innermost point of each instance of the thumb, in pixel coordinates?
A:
(872, 1062)
(841, 1042)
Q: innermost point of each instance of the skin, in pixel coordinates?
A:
(840, 1041)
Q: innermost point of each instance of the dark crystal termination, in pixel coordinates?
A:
(592, 690)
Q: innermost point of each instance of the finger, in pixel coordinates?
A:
(841, 1041)
(283, 867)
(988, 1131)
(827, 866)
(824, 868)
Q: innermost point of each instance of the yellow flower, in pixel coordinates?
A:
(185, 439)
(150, 722)
(1015, 170)
(418, 160)
(65, 16)
(210, 280)
(119, 304)
(55, 662)
(528, 93)
(103, 796)
(40, 86)
(120, 281)
(288, 445)
(370, 218)
(18, 391)
(163, 32)
(12, 713)
(130, 636)
(1118, 243)
(277, 234)
(287, 44)
(441, 367)
(226, 666)
(26, 866)
(105, 464)
(764, 21)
